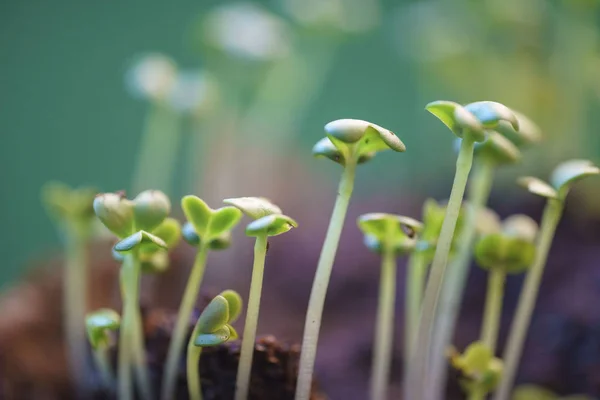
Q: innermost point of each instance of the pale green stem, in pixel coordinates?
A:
(415, 283)
(157, 154)
(527, 299)
(183, 321)
(314, 313)
(138, 353)
(418, 374)
(192, 364)
(130, 271)
(247, 352)
(75, 304)
(456, 277)
(384, 332)
(103, 365)
(493, 308)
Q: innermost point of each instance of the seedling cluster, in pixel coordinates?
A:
(489, 135)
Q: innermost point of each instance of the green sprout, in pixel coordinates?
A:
(389, 235)
(71, 210)
(212, 329)
(348, 142)
(470, 123)
(99, 324)
(556, 192)
(481, 371)
(136, 223)
(268, 221)
(207, 229)
(501, 148)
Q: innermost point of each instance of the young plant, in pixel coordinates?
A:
(509, 251)
(468, 123)
(481, 371)
(71, 210)
(556, 192)
(268, 222)
(389, 235)
(134, 223)
(349, 142)
(207, 229)
(212, 329)
(99, 324)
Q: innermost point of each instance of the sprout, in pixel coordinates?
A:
(72, 212)
(470, 123)
(212, 328)
(145, 234)
(152, 77)
(354, 140)
(389, 235)
(207, 229)
(561, 180)
(480, 369)
(268, 221)
(99, 324)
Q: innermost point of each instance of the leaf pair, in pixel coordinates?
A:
(99, 324)
(481, 370)
(65, 204)
(214, 324)
(382, 230)
(268, 218)
(433, 218)
(206, 224)
(353, 139)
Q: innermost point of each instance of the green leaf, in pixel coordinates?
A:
(347, 130)
(520, 226)
(223, 220)
(527, 134)
(141, 238)
(372, 243)
(155, 263)
(476, 359)
(571, 171)
(197, 213)
(383, 229)
(214, 316)
(377, 139)
(487, 222)
(64, 203)
(115, 212)
(326, 148)
(498, 150)
(235, 303)
(537, 186)
(215, 338)
(499, 250)
(532, 392)
(218, 243)
(490, 113)
(150, 208)
(233, 333)
(254, 207)
(98, 324)
(271, 225)
(457, 119)
(169, 231)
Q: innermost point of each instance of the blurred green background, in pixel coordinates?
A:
(66, 112)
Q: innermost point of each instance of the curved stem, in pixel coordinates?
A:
(129, 287)
(247, 352)
(75, 304)
(192, 365)
(318, 293)
(493, 308)
(527, 299)
(456, 277)
(415, 283)
(418, 377)
(384, 333)
(183, 322)
(103, 365)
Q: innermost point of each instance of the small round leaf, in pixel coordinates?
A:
(115, 212)
(570, 171)
(197, 212)
(457, 119)
(326, 148)
(254, 207)
(169, 231)
(235, 304)
(520, 226)
(271, 225)
(537, 186)
(233, 335)
(150, 208)
(215, 338)
(490, 113)
(155, 263)
(214, 316)
(223, 220)
(527, 134)
(218, 243)
(476, 359)
(141, 238)
(498, 149)
(98, 324)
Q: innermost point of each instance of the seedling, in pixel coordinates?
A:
(480, 369)
(99, 325)
(348, 143)
(391, 236)
(268, 221)
(71, 210)
(134, 223)
(212, 329)
(468, 123)
(501, 148)
(207, 229)
(556, 192)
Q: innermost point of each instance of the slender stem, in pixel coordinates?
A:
(321, 281)
(384, 332)
(415, 283)
(419, 366)
(493, 308)
(183, 322)
(527, 299)
(129, 288)
(75, 304)
(456, 277)
(138, 352)
(247, 352)
(103, 365)
(192, 363)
